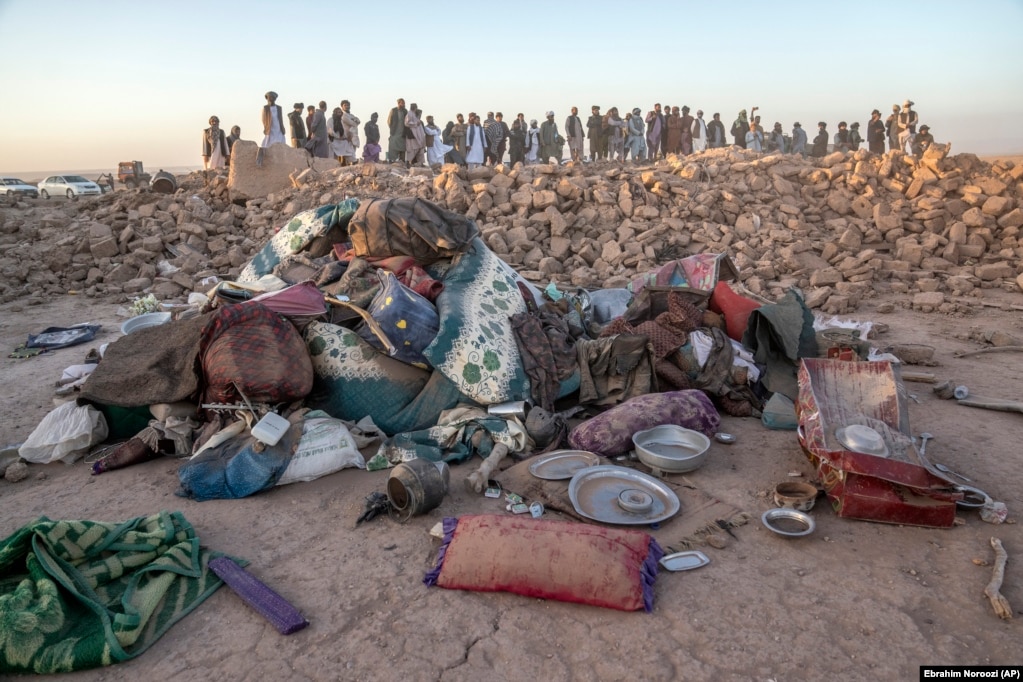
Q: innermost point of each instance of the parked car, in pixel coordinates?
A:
(14, 187)
(71, 186)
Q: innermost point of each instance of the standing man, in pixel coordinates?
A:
(371, 152)
(754, 139)
(699, 132)
(215, 152)
(492, 129)
(820, 143)
(549, 139)
(908, 120)
(236, 134)
(273, 121)
(798, 140)
(318, 133)
(654, 130)
(458, 134)
(635, 142)
(415, 137)
(517, 145)
(298, 136)
(716, 132)
(776, 141)
(505, 134)
(875, 133)
(574, 132)
(687, 132)
(593, 131)
(475, 142)
(349, 133)
(891, 126)
(396, 127)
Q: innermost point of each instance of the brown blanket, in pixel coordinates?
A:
(700, 517)
(152, 365)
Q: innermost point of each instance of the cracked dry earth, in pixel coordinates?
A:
(854, 601)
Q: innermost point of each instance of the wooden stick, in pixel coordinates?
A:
(919, 377)
(999, 603)
(982, 351)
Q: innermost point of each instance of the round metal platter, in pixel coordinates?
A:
(595, 493)
(562, 464)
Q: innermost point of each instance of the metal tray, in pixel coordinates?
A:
(684, 561)
(595, 493)
(559, 465)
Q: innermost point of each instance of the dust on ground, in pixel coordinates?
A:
(855, 600)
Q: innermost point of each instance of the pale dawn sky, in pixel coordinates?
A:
(87, 84)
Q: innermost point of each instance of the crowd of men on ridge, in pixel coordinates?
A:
(414, 139)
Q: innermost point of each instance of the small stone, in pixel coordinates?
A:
(16, 472)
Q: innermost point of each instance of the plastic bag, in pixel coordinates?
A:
(65, 434)
(326, 446)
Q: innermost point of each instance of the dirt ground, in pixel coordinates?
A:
(855, 600)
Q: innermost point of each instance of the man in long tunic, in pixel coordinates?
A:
(318, 132)
(716, 132)
(635, 143)
(687, 132)
(298, 136)
(699, 132)
(574, 133)
(415, 141)
(396, 126)
(875, 133)
(593, 127)
(674, 132)
(458, 132)
(654, 130)
(549, 139)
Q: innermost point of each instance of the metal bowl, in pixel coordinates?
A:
(671, 449)
(144, 321)
(635, 500)
(789, 523)
(973, 498)
(860, 438)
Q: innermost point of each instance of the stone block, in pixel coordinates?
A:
(104, 248)
(989, 272)
(996, 205)
(974, 217)
(1013, 218)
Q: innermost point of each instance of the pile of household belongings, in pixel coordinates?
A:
(391, 319)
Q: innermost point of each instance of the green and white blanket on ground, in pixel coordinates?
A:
(81, 594)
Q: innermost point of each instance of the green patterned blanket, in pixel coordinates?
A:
(81, 594)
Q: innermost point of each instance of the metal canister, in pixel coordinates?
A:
(416, 487)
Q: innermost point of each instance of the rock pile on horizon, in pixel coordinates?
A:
(844, 228)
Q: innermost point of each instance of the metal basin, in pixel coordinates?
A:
(670, 449)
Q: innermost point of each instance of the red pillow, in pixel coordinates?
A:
(734, 307)
(573, 562)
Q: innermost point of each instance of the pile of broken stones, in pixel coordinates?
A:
(931, 233)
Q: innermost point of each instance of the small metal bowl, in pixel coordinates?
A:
(671, 449)
(860, 438)
(726, 438)
(789, 523)
(635, 500)
(973, 498)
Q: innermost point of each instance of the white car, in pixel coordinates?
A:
(13, 187)
(71, 186)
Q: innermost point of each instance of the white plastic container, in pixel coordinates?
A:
(270, 428)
